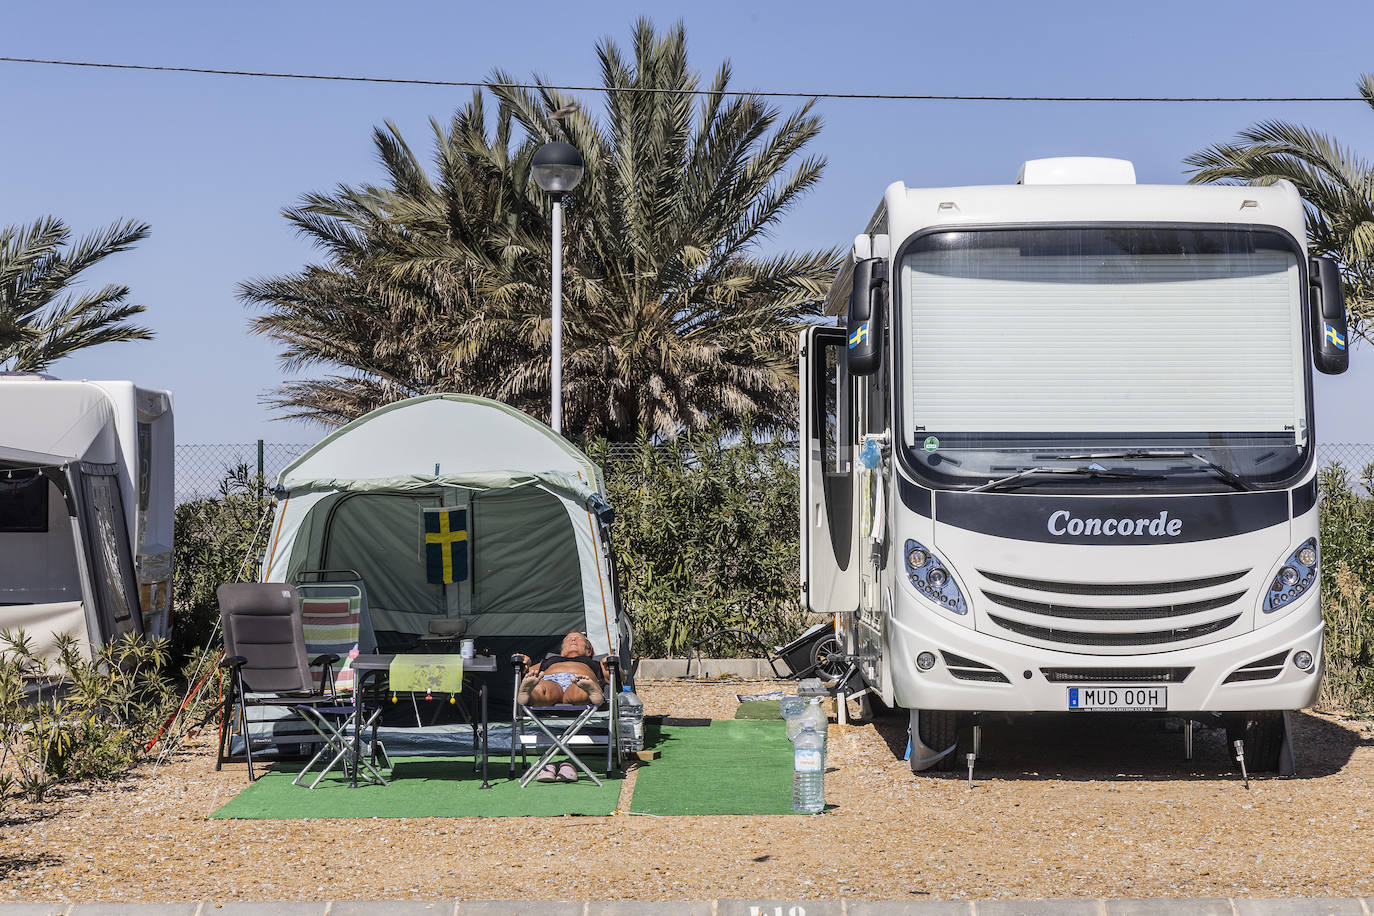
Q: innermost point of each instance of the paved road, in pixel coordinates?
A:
(1350, 906)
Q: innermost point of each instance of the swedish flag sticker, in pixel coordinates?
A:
(859, 336)
(1334, 336)
(445, 545)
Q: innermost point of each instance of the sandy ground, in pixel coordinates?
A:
(1060, 807)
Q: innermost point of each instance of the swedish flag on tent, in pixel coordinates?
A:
(444, 543)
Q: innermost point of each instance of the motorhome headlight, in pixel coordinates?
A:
(929, 576)
(1294, 578)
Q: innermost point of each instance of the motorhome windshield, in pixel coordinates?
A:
(1149, 357)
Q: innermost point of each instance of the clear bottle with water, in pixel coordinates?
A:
(791, 709)
(818, 720)
(631, 710)
(808, 771)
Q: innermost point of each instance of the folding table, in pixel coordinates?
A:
(375, 666)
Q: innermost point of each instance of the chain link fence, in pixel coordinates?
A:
(201, 468)
(1352, 455)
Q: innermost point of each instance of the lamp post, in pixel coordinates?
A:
(557, 169)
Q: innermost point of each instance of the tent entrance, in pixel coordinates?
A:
(524, 574)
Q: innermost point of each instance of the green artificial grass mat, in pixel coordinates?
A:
(759, 709)
(422, 787)
(735, 766)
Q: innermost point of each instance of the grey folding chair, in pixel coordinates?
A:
(264, 652)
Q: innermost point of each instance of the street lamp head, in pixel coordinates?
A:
(557, 167)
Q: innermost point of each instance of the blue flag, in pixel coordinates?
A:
(445, 545)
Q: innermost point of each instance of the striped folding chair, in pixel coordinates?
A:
(335, 619)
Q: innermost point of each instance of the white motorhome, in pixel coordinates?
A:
(86, 504)
(1057, 453)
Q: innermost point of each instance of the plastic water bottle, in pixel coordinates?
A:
(791, 709)
(814, 716)
(808, 771)
(631, 722)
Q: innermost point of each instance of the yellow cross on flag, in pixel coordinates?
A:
(445, 545)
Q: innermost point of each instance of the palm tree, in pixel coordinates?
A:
(671, 318)
(400, 306)
(1337, 189)
(36, 327)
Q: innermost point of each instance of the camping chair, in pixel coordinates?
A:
(558, 728)
(264, 652)
(334, 621)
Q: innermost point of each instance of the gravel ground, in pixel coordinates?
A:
(1060, 808)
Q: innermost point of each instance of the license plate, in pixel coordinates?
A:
(1119, 699)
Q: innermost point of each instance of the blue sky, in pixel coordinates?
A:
(210, 161)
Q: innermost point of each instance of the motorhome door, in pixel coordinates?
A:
(830, 571)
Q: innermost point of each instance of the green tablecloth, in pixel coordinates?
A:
(426, 674)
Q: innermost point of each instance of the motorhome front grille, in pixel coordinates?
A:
(1263, 669)
(966, 669)
(1112, 613)
(1116, 675)
(1125, 589)
(1078, 638)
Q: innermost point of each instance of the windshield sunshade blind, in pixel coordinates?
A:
(996, 342)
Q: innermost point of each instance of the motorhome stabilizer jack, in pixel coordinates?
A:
(1240, 758)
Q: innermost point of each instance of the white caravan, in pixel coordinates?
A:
(1057, 453)
(86, 503)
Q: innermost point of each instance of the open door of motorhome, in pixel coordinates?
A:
(830, 571)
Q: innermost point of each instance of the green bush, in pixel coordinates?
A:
(91, 718)
(218, 539)
(706, 538)
(1347, 532)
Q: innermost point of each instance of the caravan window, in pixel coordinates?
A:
(109, 545)
(23, 501)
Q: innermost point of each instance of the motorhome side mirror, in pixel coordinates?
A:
(1330, 339)
(864, 327)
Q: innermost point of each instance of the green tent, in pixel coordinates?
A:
(455, 508)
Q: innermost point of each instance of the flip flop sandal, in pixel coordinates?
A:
(566, 773)
(547, 774)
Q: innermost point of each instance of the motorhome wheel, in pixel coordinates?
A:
(934, 733)
(1262, 733)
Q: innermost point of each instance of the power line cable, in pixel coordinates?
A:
(763, 93)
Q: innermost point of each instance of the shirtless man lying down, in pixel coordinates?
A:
(573, 676)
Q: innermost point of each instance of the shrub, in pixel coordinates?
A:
(217, 539)
(90, 718)
(706, 539)
(1347, 538)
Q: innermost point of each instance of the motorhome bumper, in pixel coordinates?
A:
(1254, 671)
